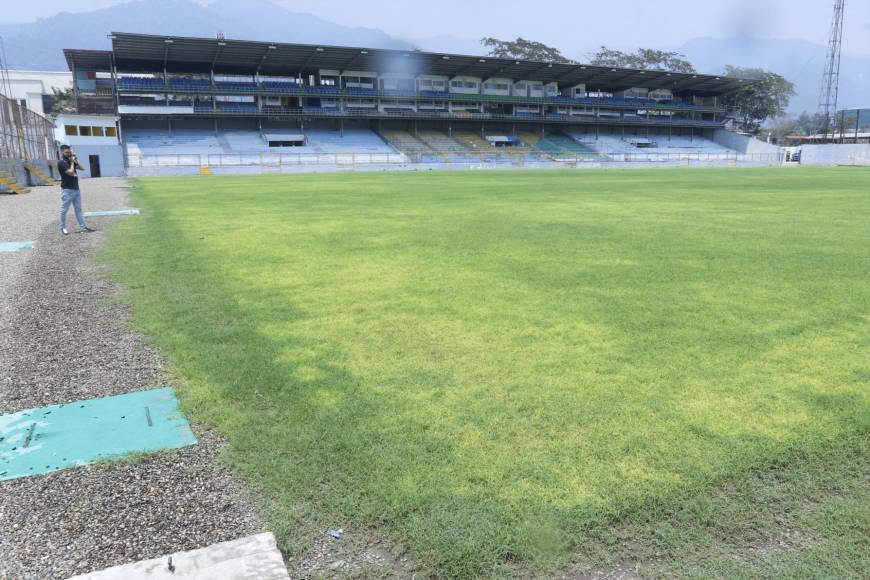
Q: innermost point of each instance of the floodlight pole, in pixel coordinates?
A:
(831, 77)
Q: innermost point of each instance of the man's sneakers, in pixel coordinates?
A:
(84, 230)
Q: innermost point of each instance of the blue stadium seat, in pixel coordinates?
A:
(237, 107)
(140, 83)
(282, 86)
(189, 84)
(435, 94)
(358, 92)
(399, 93)
(323, 90)
(236, 86)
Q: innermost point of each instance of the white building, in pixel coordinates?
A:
(29, 87)
(95, 140)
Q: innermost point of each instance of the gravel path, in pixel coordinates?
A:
(64, 337)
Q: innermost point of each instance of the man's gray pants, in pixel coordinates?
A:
(71, 197)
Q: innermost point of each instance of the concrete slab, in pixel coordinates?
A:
(110, 213)
(15, 246)
(58, 437)
(252, 558)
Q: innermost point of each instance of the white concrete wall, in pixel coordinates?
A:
(111, 159)
(466, 90)
(742, 143)
(31, 85)
(103, 121)
(154, 110)
(834, 154)
(497, 81)
(360, 73)
(576, 91)
(25, 177)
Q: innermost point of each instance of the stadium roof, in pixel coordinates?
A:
(149, 53)
(89, 59)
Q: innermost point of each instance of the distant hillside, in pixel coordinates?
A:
(39, 45)
(451, 44)
(799, 61)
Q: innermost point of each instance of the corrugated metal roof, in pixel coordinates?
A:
(150, 53)
(99, 60)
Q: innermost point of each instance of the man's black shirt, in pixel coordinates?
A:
(67, 181)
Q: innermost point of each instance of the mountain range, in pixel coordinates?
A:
(39, 45)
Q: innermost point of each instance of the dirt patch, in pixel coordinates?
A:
(356, 554)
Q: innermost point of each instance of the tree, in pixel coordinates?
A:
(805, 124)
(783, 128)
(810, 124)
(758, 101)
(644, 58)
(63, 101)
(523, 49)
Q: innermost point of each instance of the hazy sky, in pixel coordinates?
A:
(576, 26)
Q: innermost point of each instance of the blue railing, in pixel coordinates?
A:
(245, 109)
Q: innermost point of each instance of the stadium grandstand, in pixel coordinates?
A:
(215, 102)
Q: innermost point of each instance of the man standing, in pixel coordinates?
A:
(69, 189)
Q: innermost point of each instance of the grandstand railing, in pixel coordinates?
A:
(24, 134)
(249, 110)
(278, 160)
(267, 88)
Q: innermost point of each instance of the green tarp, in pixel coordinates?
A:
(62, 436)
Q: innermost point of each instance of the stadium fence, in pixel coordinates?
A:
(26, 147)
(353, 159)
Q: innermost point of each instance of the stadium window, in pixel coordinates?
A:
(430, 85)
(71, 130)
(84, 131)
(96, 131)
(111, 132)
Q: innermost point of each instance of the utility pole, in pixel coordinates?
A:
(831, 78)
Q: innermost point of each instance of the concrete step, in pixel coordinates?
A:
(252, 557)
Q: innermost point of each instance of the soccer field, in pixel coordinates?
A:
(527, 372)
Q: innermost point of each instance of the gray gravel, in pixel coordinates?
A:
(64, 337)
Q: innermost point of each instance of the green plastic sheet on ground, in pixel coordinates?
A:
(110, 213)
(58, 437)
(15, 246)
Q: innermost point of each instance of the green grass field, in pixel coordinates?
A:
(529, 373)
